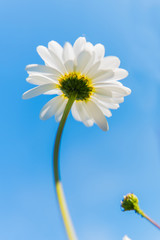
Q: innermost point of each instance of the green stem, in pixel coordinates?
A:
(59, 189)
(148, 218)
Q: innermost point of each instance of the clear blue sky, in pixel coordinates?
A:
(97, 168)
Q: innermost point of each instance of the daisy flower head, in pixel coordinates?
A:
(82, 72)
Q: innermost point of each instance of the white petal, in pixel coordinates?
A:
(103, 91)
(109, 99)
(110, 62)
(102, 75)
(51, 107)
(51, 59)
(105, 110)
(38, 90)
(75, 112)
(68, 53)
(117, 74)
(120, 89)
(58, 62)
(46, 56)
(89, 47)
(118, 95)
(97, 115)
(59, 113)
(126, 238)
(104, 103)
(99, 51)
(89, 65)
(69, 65)
(82, 60)
(53, 92)
(93, 69)
(39, 80)
(83, 114)
(88, 123)
(123, 91)
(43, 70)
(56, 48)
(78, 45)
(109, 82)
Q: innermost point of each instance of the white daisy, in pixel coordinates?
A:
(126, 238)
(81, 71)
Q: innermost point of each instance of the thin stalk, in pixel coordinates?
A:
(140, 212)
(59, 189)
(150, 220)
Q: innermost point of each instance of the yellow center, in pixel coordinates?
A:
(77, 85)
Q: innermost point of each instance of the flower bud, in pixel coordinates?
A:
(130, 202)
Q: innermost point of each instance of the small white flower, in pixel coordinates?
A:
(81, 71)
(126, 238)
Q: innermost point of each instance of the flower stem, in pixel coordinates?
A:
(150, 220)
(59, 189)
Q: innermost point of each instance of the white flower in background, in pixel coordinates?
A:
(126, 238)
(80, 71)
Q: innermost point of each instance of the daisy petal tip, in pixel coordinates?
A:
(127, 73)
(105, 127)
(120, 73)
(42, 116)
(51, 43)
(39, 48)
(129, 91)
(118, 59)
(30, 66)
(24, 96)
(27, 66)
(83, 39)
(58, 119)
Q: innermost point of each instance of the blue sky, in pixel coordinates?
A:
(97, 168)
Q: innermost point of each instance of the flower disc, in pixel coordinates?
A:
(76, 85)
